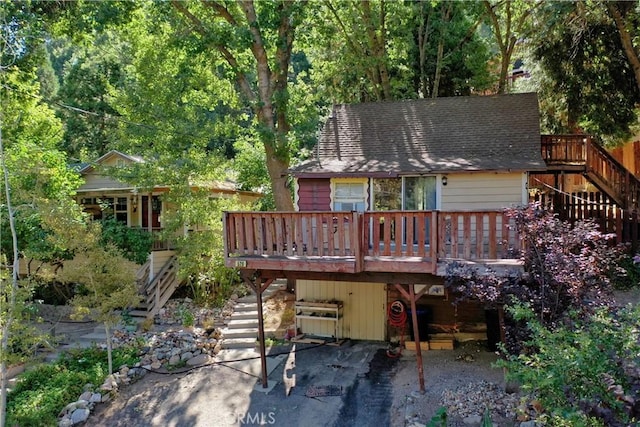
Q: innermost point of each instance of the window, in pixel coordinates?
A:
(349, 196)
(410, 193)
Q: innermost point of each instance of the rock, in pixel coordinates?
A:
(174, 360)
(531, 423)
(95, 398)
(109, 384)
(198, 360)
(85, 396)
(156, 365)
(80, 415)
(186, 356)
(106, 398)
(472, 420)
(65, 422)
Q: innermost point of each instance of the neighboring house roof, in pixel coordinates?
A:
(107, 183)
(88, 167)
(429, 135)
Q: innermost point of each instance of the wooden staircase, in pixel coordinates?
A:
(156, 293)
(582, 154)
(617, 210)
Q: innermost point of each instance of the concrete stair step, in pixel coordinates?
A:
(138, 313)
(240, 333)
(237, 315)
(245, 306)
(238, 343)
(242, 324)
(98, 337)
(229, 354)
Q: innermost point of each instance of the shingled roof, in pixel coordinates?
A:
(495, 133)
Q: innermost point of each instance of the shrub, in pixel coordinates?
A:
(565, 268)
(41, 393)
(587, 370)
(134, 243)
(628, 275)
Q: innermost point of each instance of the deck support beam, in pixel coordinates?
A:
(413, 297)
(254, 281)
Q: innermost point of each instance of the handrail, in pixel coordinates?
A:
(425, 235)
(617, 181)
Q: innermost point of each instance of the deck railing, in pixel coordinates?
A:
(419, 236)
(599, 165)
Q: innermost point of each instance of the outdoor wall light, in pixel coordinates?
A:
(444, 180)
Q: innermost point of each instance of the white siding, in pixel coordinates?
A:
(481, 191)
(158, 260)
(364, 313)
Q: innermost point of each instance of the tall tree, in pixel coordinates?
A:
(626, 16)
(511, 22)
(583, 67)
(449, 56)
(255, 40)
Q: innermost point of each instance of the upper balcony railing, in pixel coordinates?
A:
(351, 242)
(584, 154)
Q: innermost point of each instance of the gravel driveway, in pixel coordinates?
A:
(373, 391)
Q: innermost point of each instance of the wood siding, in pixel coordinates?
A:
(482, 191)
(158, 260)
(364, 313)
(95, 181)
(314, 195)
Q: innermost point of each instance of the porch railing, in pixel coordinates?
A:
(426, 235)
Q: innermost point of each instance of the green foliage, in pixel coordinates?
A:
(439, 419)
(628, 274)
(135, 244)
(186, 316)
(583, 67)
(567, 268)
(23, 337)
(586, 370)
(42, 392)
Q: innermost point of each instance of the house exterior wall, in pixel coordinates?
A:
(158, 260)
(483, 190)
(95, 181)
(313, 194)
(364, 312)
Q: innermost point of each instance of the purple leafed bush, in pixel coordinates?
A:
(566, 268)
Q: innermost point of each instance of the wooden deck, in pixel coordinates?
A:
(359, 242)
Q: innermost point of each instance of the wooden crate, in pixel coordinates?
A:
(441, 344)
(411, 345)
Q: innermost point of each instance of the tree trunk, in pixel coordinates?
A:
(8, 321)
(436, 78)
(423, 38)
(625, 39)
(107, 331)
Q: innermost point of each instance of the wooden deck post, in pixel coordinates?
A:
(416, 333)
(413, 297)
(259, 287)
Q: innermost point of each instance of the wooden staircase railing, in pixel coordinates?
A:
(156, 293)
(600, 167)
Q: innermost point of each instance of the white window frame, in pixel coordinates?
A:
(365, 194)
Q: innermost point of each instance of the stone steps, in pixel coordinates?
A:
(242, 315)
(242, 324)
(242, 330)
(240, 333)
(238, 343)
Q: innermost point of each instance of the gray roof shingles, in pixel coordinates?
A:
(495, 133)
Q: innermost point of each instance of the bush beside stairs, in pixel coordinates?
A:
(241, 331)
